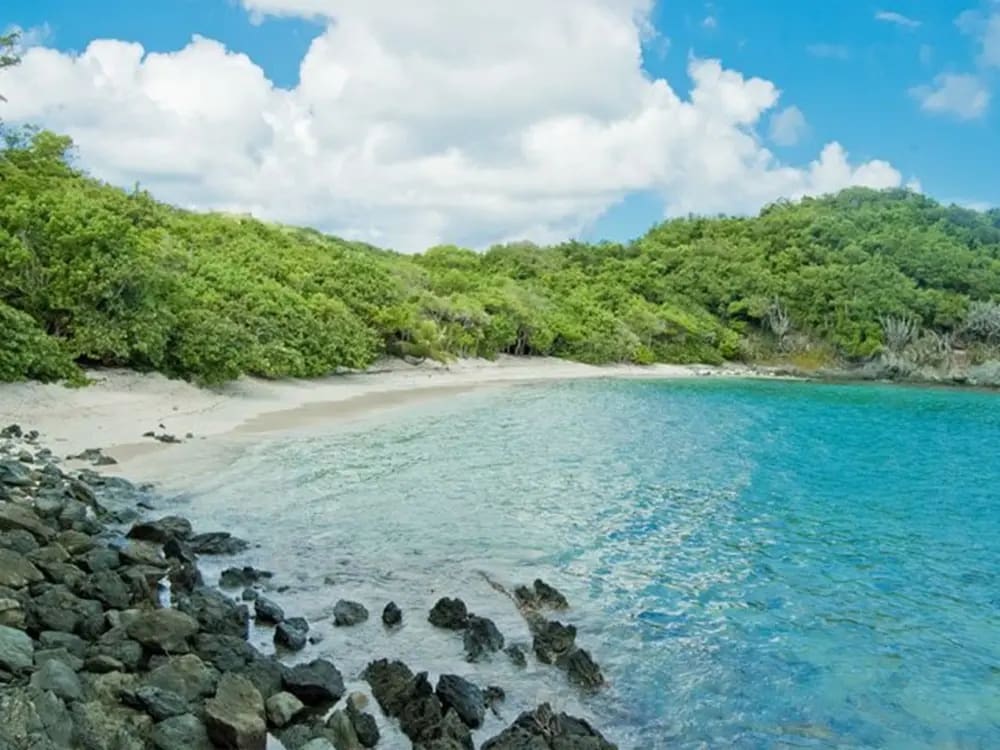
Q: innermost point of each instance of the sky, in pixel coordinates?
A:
(450, 121)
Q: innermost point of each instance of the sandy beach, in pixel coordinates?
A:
(121, 406)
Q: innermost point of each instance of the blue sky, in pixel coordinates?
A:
(853, 69)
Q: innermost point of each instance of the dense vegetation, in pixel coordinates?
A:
(91, 274)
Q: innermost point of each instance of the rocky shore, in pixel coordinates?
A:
(111, 639)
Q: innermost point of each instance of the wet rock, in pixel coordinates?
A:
(58, 678)
(553, 640)
(267, 611)
(162, 530)
(549, 596)
(390, 682)
(186, 676)
(542, 729)
(581, 669)
(235, 716)
(342, 732)
(234, 578)
(481, 638)
(291, 634)
(216, 612)
(226, 653)
(347, 613)
(12, 431)
(315, 683)
(177, 549)
(493, 696)
(365, 726)
(16, 571)
(15, 474)
(17, 651)
(282, 708)
(266, 673)
(14, 517)
(249, 595)
(164, 630)
(18, 540)
(465, 698)
(185, 732)
(218, 543)
(516, 655)
(449, 613)
(392, 615)
(158, 703)
(422, 712)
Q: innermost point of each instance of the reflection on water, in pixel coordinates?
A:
(755, 565)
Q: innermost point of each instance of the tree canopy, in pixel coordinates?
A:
(92, 274)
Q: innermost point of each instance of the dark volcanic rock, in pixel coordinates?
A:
(348, 613)
(365, 726)
(481, 638)
(542, 729)
(581, 669)
(315, 683)
(390, 684)
(218, 543)
(235, 578)
(15, 474)
(18, 540)
(162, 530)
(392, 615)
(163, 630)
(549, 596)
(460, 694)
(553, 640)
(267, 611)
(449, 613)
(291, 634)
(216, 612)
(108, 588)
(235, 716)
(58, 609)
(516, 655)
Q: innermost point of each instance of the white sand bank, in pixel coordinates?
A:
(121, 406)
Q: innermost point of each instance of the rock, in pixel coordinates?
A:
(235, 716)
(13, 517)
(34, 720)
(315, 683)
(542, 729)
(319, 743)
(116, 645)
(516, 655)
(216, 613)
(226, 653)
(16, 571)
(12, 613)
(581, 669)
(59, 609)
(291, 634)
(164, 630)
(44, 655)
(58, 678)
(75, 542)
(365, 726)
(234, 578)
(184, 732)
(422, 712)
(108, 588)
(18, 540)
(101, 725)
(100, 558)
(15, 474)
(390, 682)
(266, 673)
(449, 613)
(549, 596)
(282, 708)
(249, 595)
(494, 695)
(51, 553)
(392, 615)
(218, 543)
(347, 613)
(17, 651)
(267, 611)
(460, 694)
(138, 552)
(481, 637)
(162, 530)
(101, 664)
(11, 431)
(552, 640)
(186, 676)
(343, 735)
(177, 549)
(158, 703)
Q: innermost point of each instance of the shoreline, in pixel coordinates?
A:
(120, 409)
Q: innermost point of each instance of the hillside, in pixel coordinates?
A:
(91, 274)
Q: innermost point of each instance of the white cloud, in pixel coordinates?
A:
(890, 16)
(961, 95)
(830, 51)
(33, 36)
(985, 28)
(787, 126)
(414, 124)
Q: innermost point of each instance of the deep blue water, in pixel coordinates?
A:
(755, 564)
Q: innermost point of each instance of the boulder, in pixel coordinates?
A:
(291, 634)
(107, 587)
(227, 653)
(282, 708)
(162, 530)
(57, 608)
(14, 517)
(138, 552)
(17, 651)
(164, 630)
(44, 655)
(542, 729)
(553, 640)
(58, 678)
(267, 611)
(465, 698)
(159, 703)
(101, 725)
(35, 720)
(234, 578)
(186, 676)
(101, 664)
(185, 732)
(481, 637)
(100, 558)
(315, 683)
(516, 654)
(390, 683)
(540, 595)
(75, 542)
(342, 731)
(15, 474)
(115, 644)
(392, 615)
(235, 716)
(581, 669)
(18, 540)
(347, 613)
(216, 613)
(16, 571)
(12, 613)
(449, 613)
(218, 543)
(365, 726)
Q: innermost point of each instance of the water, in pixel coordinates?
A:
(754, 564)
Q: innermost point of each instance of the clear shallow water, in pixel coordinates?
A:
(755, 564)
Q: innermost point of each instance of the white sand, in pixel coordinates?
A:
(121, 405)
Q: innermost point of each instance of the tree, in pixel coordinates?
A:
(8, 52)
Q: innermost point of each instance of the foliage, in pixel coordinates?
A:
(95, 275)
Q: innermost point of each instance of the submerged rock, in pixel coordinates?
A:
(450, 614)
(162, 530)
(218, 543)
(481, 637)
(347, 613)
(291, 634)
(553, 640)
(234, 578)
(542, 729)
(392, 615)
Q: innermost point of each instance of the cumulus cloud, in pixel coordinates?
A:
(961, 95)
(891, 16)
(459, 122)
(787, 126)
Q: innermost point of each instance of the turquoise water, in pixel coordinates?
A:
(755, 564)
